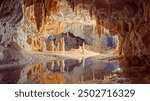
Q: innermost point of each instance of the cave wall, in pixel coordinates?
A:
(11, 41)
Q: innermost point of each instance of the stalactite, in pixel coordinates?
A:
(122, 27)
(23, 9)
(98, 24)
(73, 6)
(76, 10)
(38, 14)
(47, 7)
(90, 11)
(83, 3)
(145, 13)
(91, 8)
(109, 9)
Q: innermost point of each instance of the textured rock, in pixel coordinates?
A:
(129, 19)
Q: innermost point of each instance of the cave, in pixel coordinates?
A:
(74, 41)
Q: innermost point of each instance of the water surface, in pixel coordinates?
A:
(86, 71)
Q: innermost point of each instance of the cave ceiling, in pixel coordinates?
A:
(119, 16)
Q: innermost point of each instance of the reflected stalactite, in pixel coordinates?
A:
(50, 65)
(82, 78)
(37, 74)
(93, 75)
(83, 62)
(62, 65)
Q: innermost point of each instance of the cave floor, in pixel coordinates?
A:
(75, 67)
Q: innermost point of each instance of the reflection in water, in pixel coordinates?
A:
(9, 76)
(137, 74)
(69, 71)
(74, 71)
(38, 74)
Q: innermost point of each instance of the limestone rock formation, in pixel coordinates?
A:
(129, 19)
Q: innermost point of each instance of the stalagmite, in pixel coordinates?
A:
(44, 45)
(83, 47)
(57, 47)
(51, 46)
(62, 45)
(80, 60)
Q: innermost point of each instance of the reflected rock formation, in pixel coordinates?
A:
(37, 74)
